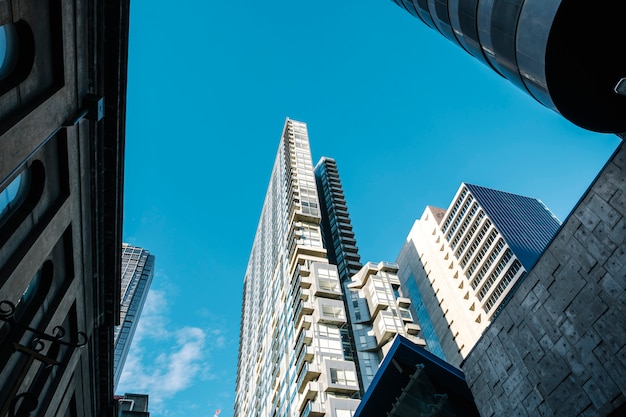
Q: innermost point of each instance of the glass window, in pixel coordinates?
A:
(8, 49)
(342, 376)
(13, 195)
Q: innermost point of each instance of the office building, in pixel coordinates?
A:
(459, 264)
(564, 53)
(137, 273)
(62, 121)
(371, 293)
(315, 322)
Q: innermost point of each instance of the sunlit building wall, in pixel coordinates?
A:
(459, 264)
(291, 355)
(137, 274)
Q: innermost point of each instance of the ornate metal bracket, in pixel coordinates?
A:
(22, 404)
(7, 312)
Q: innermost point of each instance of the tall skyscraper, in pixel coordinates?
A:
(297, 354)
(564, 53)
(137, 273)
(291, 357)
(459, 264)
(377, 311)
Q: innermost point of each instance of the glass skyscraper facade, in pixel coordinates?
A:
(564, 53)
(137, 274)
(465, 260)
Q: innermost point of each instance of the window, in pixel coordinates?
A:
(12, 195)
(342, 376)
(331, 311)
(8, 49)
(343, 413)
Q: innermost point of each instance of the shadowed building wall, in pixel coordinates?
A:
(558, 347)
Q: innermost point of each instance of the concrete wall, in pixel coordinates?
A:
(559, 346)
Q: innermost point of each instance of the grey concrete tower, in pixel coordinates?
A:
(567, 54)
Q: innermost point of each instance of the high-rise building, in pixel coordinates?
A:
(300, 353)
(371, 293)
(459, 264)
(291, 355)
(137, 273)
(564, 53)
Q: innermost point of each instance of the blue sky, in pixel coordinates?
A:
(406, 114)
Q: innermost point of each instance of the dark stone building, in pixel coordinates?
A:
(62, 119)
(558, 346)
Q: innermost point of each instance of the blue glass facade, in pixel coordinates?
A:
(428, 330)
(525, 223)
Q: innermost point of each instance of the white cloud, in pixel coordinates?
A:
(165, 360)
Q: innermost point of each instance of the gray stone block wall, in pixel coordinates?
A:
(558, 348)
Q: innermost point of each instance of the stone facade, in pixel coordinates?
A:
(559, 346)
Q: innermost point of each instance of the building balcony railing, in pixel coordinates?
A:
(403, 302)
(304, 308)
(304, 323)
(412, 328)
(313, 409)
(309, 372)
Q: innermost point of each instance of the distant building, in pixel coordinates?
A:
(563, 53)
(137, 274)
(133, 405)
(62, 125)
(459, 264)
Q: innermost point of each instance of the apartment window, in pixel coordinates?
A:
(342, 376)
(330, 311)
(343, 413)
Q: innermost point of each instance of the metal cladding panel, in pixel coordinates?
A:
(564, 53)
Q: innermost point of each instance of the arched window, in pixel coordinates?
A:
(17, 54)
(9, 45)
(14, 194)
(19, 197)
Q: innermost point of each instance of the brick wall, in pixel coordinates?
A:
(559, 346)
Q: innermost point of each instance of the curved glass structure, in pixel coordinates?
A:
(564, 53)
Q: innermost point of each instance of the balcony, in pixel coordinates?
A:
(304, 337)
(386, 326)
(313, 409)
(412, 328)
(311, 389)
(304, 308)
(309, 372)
(403, 302)
(305, 323)
(332, 314)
